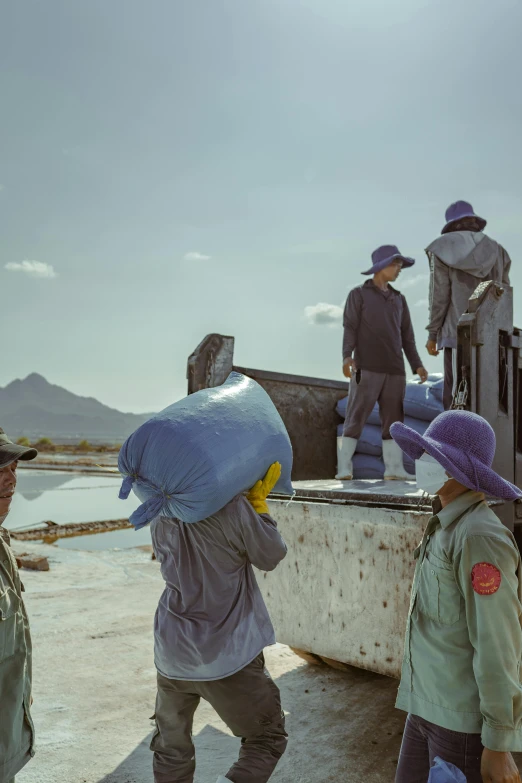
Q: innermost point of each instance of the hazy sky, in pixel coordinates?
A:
(170, 168)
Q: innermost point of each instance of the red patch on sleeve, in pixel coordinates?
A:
(485, 578)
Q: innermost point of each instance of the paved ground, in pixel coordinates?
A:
(94, 687)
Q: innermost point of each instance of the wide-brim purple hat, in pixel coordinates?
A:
(464, 444)
(384, 255)
(458, 211)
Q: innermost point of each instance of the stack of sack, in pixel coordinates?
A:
(422, 403)
(193, 458)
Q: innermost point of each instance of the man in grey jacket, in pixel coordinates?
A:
(210, 629)
(459, 260)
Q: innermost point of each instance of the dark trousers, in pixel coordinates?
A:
(447, 397)
(248, 702)
(367, 388)
(423, 741)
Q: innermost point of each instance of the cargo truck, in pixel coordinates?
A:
(342, 593)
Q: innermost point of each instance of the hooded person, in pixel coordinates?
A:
(461, 258)
(16, 725)
(460, 680)
(377, 329)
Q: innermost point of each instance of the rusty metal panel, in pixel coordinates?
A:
(307, 407)
(343, 590)
(211, 363)
(485, 360)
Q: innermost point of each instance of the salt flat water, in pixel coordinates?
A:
(64, 497)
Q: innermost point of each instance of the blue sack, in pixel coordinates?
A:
(191, 459)
(421, 401)
(366, 466)
(444, 772)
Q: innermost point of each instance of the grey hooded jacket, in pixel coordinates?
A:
(459, 261)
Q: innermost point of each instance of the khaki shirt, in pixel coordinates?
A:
(463, 647)
(16, 726)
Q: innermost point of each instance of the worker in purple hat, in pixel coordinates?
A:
(377, 329)
(460, 681)
(461, 258)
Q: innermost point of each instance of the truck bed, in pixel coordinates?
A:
(367, 492)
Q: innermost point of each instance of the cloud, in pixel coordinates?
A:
(422, 303)
(32, 268)
(411, 281)
(194, 256)
(323, 314)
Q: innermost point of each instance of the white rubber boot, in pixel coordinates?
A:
(393, 463)
(345, 451)
(221, 779)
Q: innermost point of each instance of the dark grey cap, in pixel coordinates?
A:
(10, 452)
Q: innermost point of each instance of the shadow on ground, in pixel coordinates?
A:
(348, 729)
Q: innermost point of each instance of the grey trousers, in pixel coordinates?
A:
(248, 702)
(422, 741)
(367, 388)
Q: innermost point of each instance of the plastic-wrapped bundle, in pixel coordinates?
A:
(444, 772)
(194, 457)
(421, 401)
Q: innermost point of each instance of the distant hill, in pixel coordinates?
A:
(36, 408)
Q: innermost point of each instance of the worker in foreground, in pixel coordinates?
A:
(460, 260)
(211, 627)
(377, 329)
(16, 725)
(460, 682)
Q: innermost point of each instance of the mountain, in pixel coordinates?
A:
(36, 408)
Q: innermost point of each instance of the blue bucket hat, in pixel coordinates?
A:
(384, 255)
(464, 444)
(458, 211)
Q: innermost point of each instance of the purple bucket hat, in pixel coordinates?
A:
(464, 444)
(384, 255)
(458, 211)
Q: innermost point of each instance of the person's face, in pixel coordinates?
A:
(393, 270)
(7, 488)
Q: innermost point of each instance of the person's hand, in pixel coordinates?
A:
(349, 368)
(431, 345)
(261, 489)
(423, 374)
(497, 767)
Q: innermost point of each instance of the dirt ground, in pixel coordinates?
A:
(94, 687)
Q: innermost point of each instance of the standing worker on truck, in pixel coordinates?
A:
(16, 726)
(459, 260)
(377, 329)
(460, 681)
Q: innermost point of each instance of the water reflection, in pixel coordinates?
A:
(63, 497)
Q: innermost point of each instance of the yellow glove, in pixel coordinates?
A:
(261, 489)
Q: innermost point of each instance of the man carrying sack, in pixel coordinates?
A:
(459, 260)
(16, 726)
(460, 680)
(377, 329)
(210, 630)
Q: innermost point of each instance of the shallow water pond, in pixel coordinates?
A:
(63, 497)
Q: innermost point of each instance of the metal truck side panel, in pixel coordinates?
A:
(343, 590)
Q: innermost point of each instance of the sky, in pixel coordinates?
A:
(170, 169)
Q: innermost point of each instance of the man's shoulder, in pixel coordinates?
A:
(481, 521)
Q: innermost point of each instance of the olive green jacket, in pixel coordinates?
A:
(16, 726)
(463, 647)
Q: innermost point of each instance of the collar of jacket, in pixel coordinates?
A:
(456, 508)
(371, 284)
